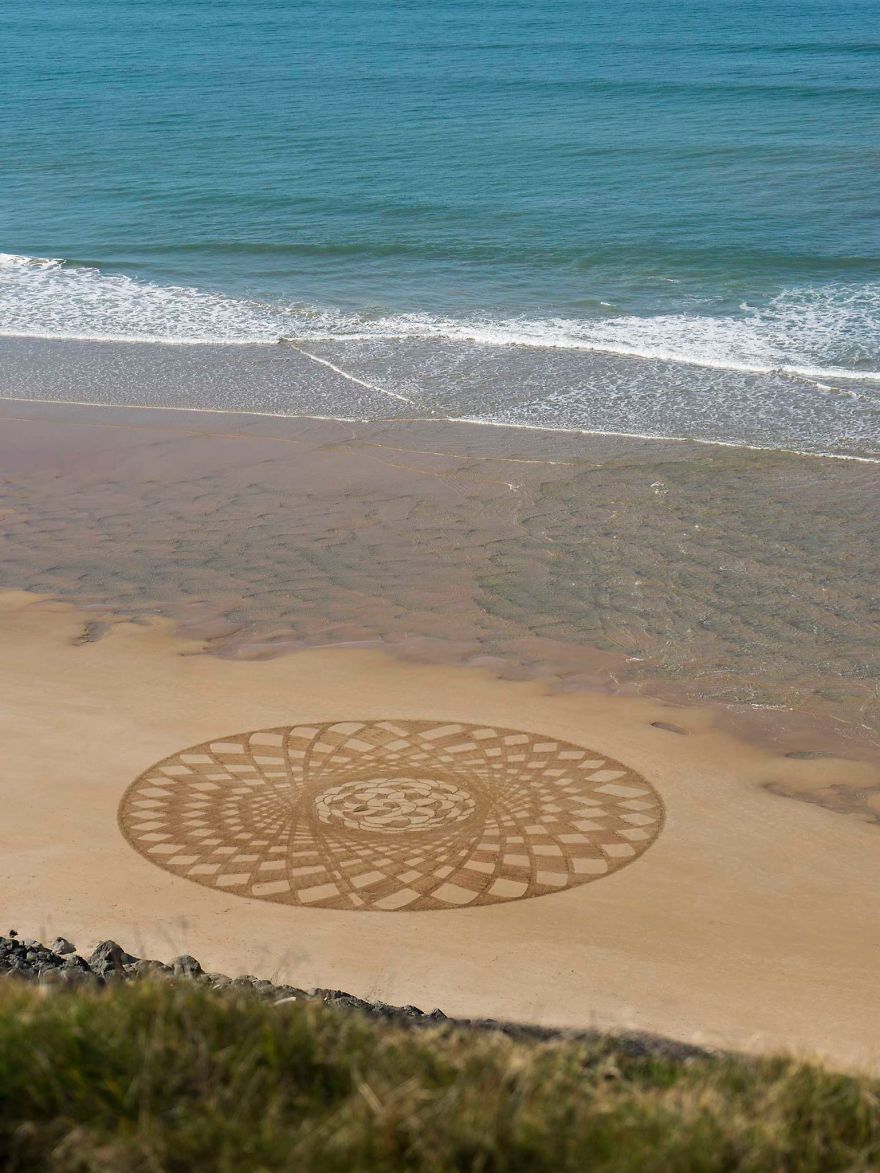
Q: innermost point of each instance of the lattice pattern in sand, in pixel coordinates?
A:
(390, 815)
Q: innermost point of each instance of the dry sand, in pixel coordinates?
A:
(751, 921)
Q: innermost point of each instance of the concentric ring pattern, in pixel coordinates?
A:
(390, 815)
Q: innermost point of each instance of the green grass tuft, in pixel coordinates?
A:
(157, 1076)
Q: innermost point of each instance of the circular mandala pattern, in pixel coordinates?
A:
(390, 815)
(400, 804)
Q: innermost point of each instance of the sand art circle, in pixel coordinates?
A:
(394, 804)
(390, 815)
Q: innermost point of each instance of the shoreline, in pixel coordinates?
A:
(579, 394)
(807, 373)
(450, 420)
(434, 465)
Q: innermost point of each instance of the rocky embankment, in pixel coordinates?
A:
(60, 966)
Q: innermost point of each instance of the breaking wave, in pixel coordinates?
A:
(827, 331)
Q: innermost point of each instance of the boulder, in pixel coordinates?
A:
(289, 994)
(74, 961)
(186, 966)
(151, 969)
(109, 958)
(81, 979)
(246, 982)
(349, 1001)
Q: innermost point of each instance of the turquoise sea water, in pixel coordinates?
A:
(487, 209)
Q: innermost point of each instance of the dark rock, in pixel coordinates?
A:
(381, 1009)
(289, 993)
(39, 956)
(53, 977)
(81, 979)
(186, 966)
(349, 1002)
(144, 967)
(437, 1015)
(74, 961)
(108, 958)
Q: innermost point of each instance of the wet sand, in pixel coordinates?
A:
(695, 572)
(701, 614)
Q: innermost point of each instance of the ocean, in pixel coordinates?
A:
(651, 217)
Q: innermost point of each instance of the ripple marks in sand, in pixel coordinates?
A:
(390, 815)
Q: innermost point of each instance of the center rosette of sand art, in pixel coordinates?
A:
(390, 815)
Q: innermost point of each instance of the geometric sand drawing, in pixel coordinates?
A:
(393, 815)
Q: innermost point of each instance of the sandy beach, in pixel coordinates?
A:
(172, 580)
(747, 923)
(439, 611)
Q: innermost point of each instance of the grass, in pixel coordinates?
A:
(157, 1076)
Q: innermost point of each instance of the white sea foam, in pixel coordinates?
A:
(44, 297)
(813, 332)
(828, 332)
